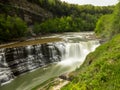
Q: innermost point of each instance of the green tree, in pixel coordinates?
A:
(109, 25)
(11, 28)
(116, 21)
(103, 26)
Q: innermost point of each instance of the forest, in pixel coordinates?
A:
(65, 18)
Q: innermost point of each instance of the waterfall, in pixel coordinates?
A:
(77, 52)
(5, 72)
(80, 50)
(16, 61)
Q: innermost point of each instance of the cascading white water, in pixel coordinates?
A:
(77, 52)
(68, 54)
(5, 72)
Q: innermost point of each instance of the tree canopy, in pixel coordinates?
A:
(11, 28)
(109, 25)
(64, 17)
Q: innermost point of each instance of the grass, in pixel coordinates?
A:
(100, 71)
(30, 42)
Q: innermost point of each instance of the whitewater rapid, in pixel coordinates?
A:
(32, 65)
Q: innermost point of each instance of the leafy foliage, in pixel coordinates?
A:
(53, 16)
(63, 24)
(104, 26)
(116, 21)
(11, 28)
(59, 8)
(87, 14)
(109, 25)
(101, 69)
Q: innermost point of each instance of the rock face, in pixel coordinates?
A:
(15, 61)
(29, 12)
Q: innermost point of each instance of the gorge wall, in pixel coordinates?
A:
(29, 12)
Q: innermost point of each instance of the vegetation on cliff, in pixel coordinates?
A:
(83, 18)
(49, 16)
(63, 24)
(11, 28)
(109, 25)
(101, 69)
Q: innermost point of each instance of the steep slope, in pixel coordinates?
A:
(100, 71)
(29, 12)
(109, 25)
(40, 10)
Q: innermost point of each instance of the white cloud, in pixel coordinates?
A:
(94, 2)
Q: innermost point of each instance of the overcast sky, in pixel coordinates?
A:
(93, 2)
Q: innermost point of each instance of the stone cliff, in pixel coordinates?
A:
(29, 12)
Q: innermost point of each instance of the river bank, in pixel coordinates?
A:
(55, 84)
(101, 70)
(54, 37)
(30, 42)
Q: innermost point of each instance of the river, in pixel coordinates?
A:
(63, 56)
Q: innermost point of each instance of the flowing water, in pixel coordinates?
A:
(20, 66)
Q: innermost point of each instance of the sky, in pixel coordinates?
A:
(93, 2)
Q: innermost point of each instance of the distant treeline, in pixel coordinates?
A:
(63, 24)
(82, 17)
(66, 18)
